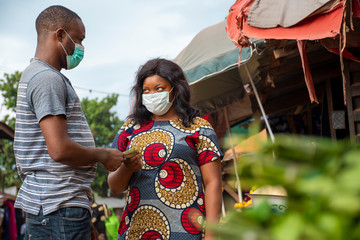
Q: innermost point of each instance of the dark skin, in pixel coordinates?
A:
(210, 172)
(61, 147)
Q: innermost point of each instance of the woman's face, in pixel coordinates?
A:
(155, 84)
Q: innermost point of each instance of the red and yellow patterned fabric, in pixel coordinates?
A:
(165, 198)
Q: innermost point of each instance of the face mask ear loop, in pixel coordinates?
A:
(69, 37)
(64, 49)
(173, 97)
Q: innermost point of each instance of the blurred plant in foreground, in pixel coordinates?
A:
(322, 178)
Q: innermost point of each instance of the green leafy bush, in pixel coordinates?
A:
(322, 178)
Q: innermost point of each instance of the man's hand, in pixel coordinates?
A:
(113, 160)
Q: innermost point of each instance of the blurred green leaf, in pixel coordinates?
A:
(321, 177)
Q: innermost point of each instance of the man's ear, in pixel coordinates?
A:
(60, 34)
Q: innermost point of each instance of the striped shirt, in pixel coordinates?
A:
(43, 91)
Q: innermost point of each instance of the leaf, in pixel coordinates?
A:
(289, 228)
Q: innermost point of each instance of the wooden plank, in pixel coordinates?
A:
(309, 122)
(6, 132)
(349, 103)
(355, 89)
(354, 66)
(357, 115)
(291, 123)
(330, 108)
(282, 103)
(281, 52)
(289, 82)
(231, 192)
(6, 196)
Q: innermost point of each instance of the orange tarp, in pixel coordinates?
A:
(250, 144)
(323, 25)
(316, 27)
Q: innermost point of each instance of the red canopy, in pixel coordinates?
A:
(325, 22)
(322, 25)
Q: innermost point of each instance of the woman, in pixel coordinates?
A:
(180, 175)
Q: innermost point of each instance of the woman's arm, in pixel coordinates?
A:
(211, 175)
(119, 180)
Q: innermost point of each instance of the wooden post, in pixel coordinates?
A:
(234, 154)
(330, 108)
(309, 119)
(349, 102)
(260, 104)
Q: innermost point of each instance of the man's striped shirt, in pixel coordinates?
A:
(44, 91)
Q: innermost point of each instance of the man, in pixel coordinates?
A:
(54, 148)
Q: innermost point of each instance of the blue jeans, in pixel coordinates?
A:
(65, 224)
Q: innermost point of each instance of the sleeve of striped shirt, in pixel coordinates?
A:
(46, 94)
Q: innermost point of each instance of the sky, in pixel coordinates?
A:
(121, 35)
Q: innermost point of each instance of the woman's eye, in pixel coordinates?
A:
(145, 90)
(159, 89)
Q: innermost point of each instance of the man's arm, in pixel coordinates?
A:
(64, 150)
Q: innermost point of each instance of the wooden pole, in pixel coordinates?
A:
(330, 109)
(234, 154)
(260, 104)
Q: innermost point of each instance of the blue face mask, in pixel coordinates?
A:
(78, 55)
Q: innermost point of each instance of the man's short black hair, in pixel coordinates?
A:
(55, 17)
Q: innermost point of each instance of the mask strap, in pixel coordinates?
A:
(64, 49)
(173, 97)
(69, 37)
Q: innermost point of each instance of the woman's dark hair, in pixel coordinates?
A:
(175, 75)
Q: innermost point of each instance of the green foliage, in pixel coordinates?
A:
(9, 175)
(322, 180)
(104, 125)
(8, 89)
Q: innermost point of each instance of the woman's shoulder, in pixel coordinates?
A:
(127, 124)
(133, 127)
(201, 122)
(195, 124)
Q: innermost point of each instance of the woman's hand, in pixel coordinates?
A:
(134, 163)
(119, 180)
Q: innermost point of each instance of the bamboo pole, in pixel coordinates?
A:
(260, 104)
(234, 155)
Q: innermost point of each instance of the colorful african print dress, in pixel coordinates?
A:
(165, 198)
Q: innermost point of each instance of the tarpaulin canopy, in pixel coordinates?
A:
(307, 27)
(210, 63)
(292, 19)
(270, 13)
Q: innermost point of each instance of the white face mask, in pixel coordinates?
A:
(157, 103)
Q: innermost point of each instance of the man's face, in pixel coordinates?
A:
(77, 33)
